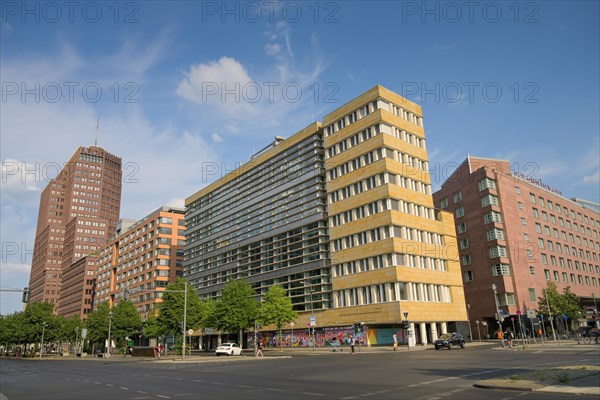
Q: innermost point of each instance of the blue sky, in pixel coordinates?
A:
(518, 81)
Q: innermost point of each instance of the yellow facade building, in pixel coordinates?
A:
(341, 216)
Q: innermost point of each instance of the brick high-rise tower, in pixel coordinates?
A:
(78, 213)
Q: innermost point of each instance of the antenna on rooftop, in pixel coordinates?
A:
(97, 129)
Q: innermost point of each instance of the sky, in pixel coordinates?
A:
(185, 91)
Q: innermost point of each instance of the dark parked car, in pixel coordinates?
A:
(450, 340)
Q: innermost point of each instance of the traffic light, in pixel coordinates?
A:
(25, 298)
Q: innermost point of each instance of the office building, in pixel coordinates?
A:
(518, 233)
(341, 216)
(79, 210)
(144, 258)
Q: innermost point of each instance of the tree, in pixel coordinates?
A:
(237, 309)
(277, 309)
(566, 303)
(97, 324)
(171, 309)
(126, 322)
(33, 319)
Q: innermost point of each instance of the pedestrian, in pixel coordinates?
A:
(352, 342)
(334, 343)
(509, 337)
(259, 350)
(395, 337)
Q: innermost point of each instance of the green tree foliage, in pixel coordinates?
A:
(277, 309)
(12, 330)
(171, 309)
(97, 324)
(33, 319)
(237, 309)
(126, 322)
(566, 303)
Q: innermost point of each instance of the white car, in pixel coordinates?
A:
(230, 349)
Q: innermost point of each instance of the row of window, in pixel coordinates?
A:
(573, 278)
(386, 232)
(376, 181)
(560, 210)
(389, 260)
(376, 155)
(381, 206)
(391, 291)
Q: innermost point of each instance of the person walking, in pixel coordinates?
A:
(352, 343)
(395, 337)
(259, 350)
(510, 336)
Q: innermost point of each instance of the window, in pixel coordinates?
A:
(489, 199)
(523, 221)
(487, 183)
(462, 227)
(457, 196)
(520, 204)
(547, 274)
(532, 270)
(535, 213)
(497, 251)
(538, 228)
(492, 216)
(459, 212)
(532, 296)
(466, 259)
(495, 233)
(468, 276)
(444, 203)
(500, 269)
(464, 243)
(532, 198)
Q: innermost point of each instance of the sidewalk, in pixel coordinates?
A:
(575, 380)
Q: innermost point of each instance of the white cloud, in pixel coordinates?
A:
(209, 83)
(593, 179)
(216, 137)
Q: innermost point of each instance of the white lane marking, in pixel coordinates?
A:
(313, 394)
(244, 386)
(108, 384)
(98, 383)
(124, 388)
(164, 397)
(141, 391)
(275, 390)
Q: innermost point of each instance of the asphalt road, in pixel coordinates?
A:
(417, 375)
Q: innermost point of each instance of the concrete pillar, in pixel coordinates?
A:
(434, 334)
(444, 327)
(219, 340)
(423, 331)
(412, 338)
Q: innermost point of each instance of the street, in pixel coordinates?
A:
(427, 374)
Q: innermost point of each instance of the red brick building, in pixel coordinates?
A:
(517, 233)
(78, 213)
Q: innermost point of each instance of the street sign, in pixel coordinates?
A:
(190, 331)
(565, 317)
(83, 333)
(313, 321)
(518, 311)
(530, 313)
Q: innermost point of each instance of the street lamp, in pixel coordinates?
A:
(407, 327)
(545, 291)
(478, 332)
(484, 323)
(596, 312)
(469, 318)
(498, 317)
(44, 325)
(311, 328)
(76, 339)
(110, 315)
